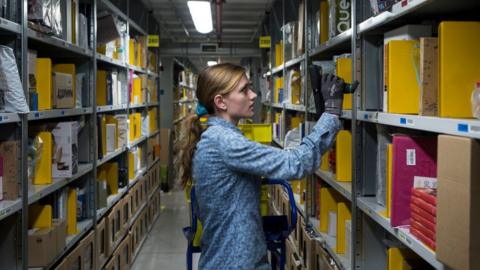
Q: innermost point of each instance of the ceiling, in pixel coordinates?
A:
(241, 25)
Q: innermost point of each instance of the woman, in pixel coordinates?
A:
(226, 166)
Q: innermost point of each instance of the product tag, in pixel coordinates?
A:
(411, 157)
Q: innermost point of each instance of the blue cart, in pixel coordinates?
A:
(276, 229)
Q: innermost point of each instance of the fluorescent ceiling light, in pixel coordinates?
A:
(201, 15)
(211, 63)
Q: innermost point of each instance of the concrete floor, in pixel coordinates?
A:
(165, 246)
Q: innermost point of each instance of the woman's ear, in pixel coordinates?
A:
(219, 103)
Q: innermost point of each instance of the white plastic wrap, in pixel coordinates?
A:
(11, 89)
(39, 11)
(476, 101)
(57, 18)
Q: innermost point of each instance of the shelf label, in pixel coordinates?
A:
(264, 42)
(462, 127)
(474, 129)
(404, 238)
(406, 121)
(37, 115)
(153, 41)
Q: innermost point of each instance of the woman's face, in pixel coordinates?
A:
(239, 102)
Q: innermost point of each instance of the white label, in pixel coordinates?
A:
(424, 182)
(411, 157)
(474, 129)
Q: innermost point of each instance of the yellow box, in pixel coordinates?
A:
(344, 156)
(131, 51)
(459, 67)
(261, 133)
(44, 83)
(72, 211)
(40, 216)
(101, 88)
(137, 91)
(343, 214)
(328, 203)
(402, 59)
(344, 71)
(43, 166)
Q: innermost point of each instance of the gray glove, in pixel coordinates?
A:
(332, 93)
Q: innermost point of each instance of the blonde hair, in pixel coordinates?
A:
(215, 80)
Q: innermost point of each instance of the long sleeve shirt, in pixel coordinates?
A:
(227, 168)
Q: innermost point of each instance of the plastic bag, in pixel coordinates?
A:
(57, 18)
(12, 98)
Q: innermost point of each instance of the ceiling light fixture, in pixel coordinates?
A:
(201, 15)
(211, 63)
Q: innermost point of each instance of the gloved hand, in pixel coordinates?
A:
(332, 92)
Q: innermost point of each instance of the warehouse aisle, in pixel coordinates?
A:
(165, 246)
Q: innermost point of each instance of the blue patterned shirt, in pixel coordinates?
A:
(226, 172)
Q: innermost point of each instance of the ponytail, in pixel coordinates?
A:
(184, 148)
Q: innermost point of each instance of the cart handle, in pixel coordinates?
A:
(291, 199)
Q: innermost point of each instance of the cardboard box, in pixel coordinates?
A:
(324, 260)
(164, 146)
(125, 253)
(126, 213)
(40, 243)
(111, 264)
(63, 91)
(122, 129)
(111, 232)
(458, 203)
(308, 250)
(9, 155)
(87, 245)
(62, 265)
(428, 77)
(60, 231)
(102, 193)
(75, 258)
(65, 150)
(408, 32)
(102, 242)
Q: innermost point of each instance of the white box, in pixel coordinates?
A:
(63, 90)
(408, 32)
(332, 224)
(348, 239)
(111, 134)
(122, 129)
(145, 125)
(65, 150)
(115, 96)
(120, 98)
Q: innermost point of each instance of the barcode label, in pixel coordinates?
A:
(474, 129)
(411, 157)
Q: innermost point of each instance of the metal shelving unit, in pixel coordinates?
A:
(460, 127)
(364, 41)
(344, 188)
(17, 35)
(111, 108)
(104, 59)
(57, 113)
(36, 192)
